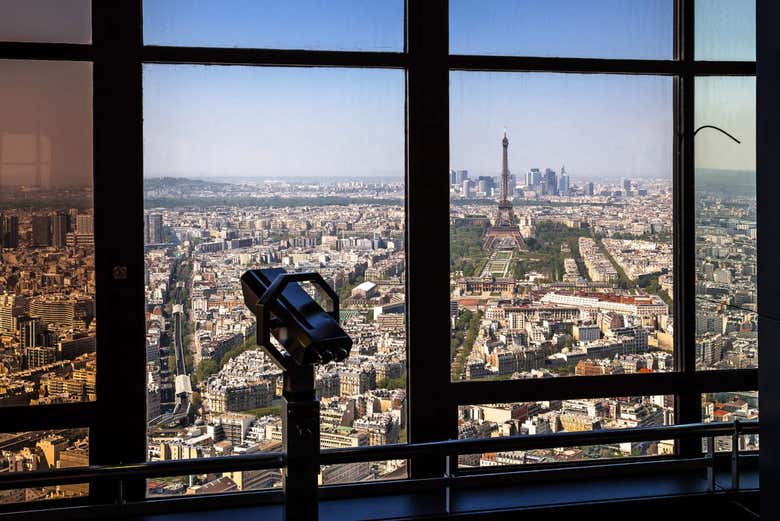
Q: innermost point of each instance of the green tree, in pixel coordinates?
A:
(205, 369)
(392, 383)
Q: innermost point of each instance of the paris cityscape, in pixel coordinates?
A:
(551, 276)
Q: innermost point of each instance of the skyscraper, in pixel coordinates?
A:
(154, 228)
(9, 231)
(29, 328)
(589, 188)
(563, 184)
(485, 186)
(532, 179)
(85, 224)
(59, 229)
(627, 185)
(41, 230)
(7, 322)
(466, 188)
(550, 182)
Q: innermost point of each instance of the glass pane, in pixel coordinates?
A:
(47, 253)
(39, 451)
(52, 21)
(640, 29)
(560, 271)
(726, 302)
(251, 168)
(725, 30)
(532, 418)
(336, 25)
(727, 407)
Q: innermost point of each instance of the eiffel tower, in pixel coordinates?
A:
(504, 234)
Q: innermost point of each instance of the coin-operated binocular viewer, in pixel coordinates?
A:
(309, 336)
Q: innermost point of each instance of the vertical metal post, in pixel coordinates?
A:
(448, 488)
(711, 463)
(120, 492)
(735, 456)
(301, 428)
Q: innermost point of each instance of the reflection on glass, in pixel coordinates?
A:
(336, 25)
(47, 254)
(726, 319)
(725, 30)
(728, 407)
(270, 167)
(532, 418)
(39, 451)
(559, 271)
(640, 29)
(46, 21)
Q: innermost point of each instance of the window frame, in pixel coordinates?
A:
(118, 432)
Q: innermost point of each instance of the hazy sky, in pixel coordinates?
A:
(609, 125)
(730, 104)
(211, 121)
(256, 121)
(366, 25)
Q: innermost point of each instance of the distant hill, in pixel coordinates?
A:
(729, 182)
(155, 183)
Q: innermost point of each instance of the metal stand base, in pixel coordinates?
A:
(301, 423)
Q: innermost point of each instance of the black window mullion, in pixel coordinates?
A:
(688, 409)
(119, 432)
(432, 411)
(45, 51)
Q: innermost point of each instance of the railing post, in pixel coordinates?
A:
(711, 463)
(448, 487)
(735, 456)
(301, 431)
(120, 492)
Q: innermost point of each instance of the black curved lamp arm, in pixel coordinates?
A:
(719, 130)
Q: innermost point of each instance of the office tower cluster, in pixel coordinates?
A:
(547, 182)
(58, 229)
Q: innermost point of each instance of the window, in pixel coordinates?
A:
(726, 271)
(43, 450)
(254, 167)
(546, 417)
(565, 268)
(47, 274)
(165, 147)
(728, 407)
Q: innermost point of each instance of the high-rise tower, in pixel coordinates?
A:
(563, 182)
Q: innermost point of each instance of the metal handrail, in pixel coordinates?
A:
(374, 453)
(149, 469)
(539, 441)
